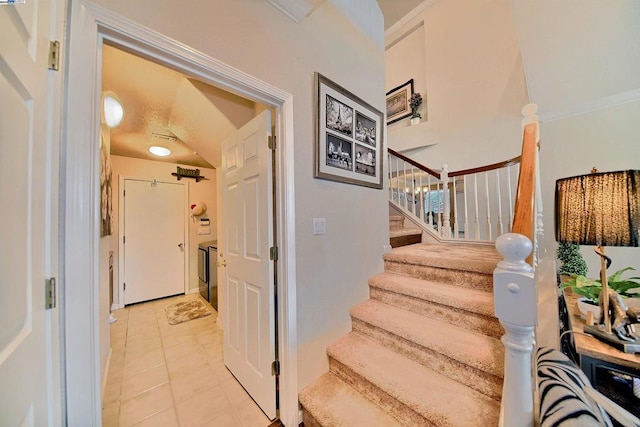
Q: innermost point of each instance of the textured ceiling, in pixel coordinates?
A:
(164, 107)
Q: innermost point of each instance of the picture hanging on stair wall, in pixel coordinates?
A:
(348, 138)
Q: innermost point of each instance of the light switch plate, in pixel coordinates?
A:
(319, 226)
(204, 230)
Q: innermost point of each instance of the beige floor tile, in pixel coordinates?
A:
(203, 407)
(111, 394)
(250, 415)
(226, 419)
(166, 418)
(180, 350)
(143, 381)
(142, 406)
(110, 414)
(135, 363)
(190, 384)
(220, 371)
(192, 362)
(173, 338)
(234, 391)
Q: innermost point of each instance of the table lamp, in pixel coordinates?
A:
(601, 209)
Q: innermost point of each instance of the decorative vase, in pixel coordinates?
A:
(415, 120)
(585, 307)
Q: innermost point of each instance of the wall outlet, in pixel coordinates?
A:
(319, 226)
(204, 230)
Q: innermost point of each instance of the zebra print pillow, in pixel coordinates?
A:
(563, 401)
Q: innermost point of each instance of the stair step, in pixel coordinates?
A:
(405, 237)
(330, 402)
(472, 308)
(396, 222)
(465, 265)
(465, 356)
(411, 392)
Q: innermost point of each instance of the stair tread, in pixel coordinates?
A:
(333, 403)
(439, 399)
(472, 300)
(468, 347)
(404, 232)
(479, 258)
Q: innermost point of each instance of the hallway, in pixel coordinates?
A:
(172, 375)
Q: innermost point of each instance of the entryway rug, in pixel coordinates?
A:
(185, 311)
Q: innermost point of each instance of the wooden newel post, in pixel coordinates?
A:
(515, 306)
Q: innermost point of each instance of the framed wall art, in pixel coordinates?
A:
(349, 136)
(398, 102)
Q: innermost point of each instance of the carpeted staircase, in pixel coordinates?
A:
(424, 349)
(401, 236)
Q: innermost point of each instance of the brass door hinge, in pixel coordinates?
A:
(273, 253)
(272, 143)
(54, 55)
(50, 293)
(275, 367)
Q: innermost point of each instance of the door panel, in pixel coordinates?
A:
(154, 230)
(249, 340)
(29, 99)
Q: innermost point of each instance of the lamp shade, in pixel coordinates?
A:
(600, 209)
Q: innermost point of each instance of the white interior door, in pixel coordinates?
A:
(249, 338)
(154, 239)
(29, 143)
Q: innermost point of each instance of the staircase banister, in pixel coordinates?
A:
(423, 168)
(524, 211)
(486, 168)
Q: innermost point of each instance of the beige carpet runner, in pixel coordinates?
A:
(185, 311)
(424, 350)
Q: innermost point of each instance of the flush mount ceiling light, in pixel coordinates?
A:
(113, 109)
(157, 150)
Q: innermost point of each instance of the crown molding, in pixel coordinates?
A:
(294, 9)
(591, 106)
(397, 30)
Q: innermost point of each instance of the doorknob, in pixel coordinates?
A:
(181, 245)
(222, 262)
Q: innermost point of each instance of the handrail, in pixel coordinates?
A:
(414, 163)
(525, 195)
(487, 168)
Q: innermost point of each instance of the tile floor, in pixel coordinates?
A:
(172, 375)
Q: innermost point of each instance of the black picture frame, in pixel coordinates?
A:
(398, 99)
(346, 127)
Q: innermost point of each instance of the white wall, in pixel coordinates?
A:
(202, 191)
(472, 77)
(103, 274)
(255, 37)
(582, 61)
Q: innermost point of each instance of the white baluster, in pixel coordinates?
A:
(446, 223)
(438, 209)
(515, 306)
(456, 231)
(475, 198)
(488, 200)
(404, 187)
(413, 191)
(510, 195)
(429, 207)
(422, 205)
(398, 180)
(466, 212)
(498, 192)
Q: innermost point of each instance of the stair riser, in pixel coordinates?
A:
(477, 379)
(309, 420)
(475, 322)
(403, 413)
(399, 241)
(465, 279)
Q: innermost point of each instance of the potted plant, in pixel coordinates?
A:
(415, 102)
(571, 260)
(589, 289)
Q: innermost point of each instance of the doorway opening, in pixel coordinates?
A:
(80, 230)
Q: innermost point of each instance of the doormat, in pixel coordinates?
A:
(185, 311)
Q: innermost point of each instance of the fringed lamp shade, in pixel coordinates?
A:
(601, 209)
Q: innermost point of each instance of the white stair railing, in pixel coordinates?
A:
(459, 205)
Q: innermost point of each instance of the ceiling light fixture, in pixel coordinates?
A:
(163, 136)
(113, 109)
(159, 151)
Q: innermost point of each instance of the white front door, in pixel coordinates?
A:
(154, 239)
(247, 234)
(29, 144)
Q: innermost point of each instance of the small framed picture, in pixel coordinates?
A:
(348, 138)
(398, 102)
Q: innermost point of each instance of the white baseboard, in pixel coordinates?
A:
(386, 248)
(193, 291)
(219, 323)
(115, 306)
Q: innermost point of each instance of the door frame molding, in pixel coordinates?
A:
(89, 26)
(185, 230)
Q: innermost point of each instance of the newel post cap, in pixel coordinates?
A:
(514, 248)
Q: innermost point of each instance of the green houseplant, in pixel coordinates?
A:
(571, 260)
(591, 288)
